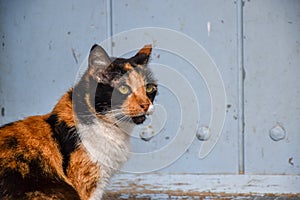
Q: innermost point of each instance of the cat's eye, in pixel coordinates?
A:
(123, 89)
(150, 88)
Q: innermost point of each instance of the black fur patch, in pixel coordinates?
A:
(70, 93)
(152, 95)
(93, 47)
(108, 98)
(10, 142)
(139, 120)
(103, 98)
(66, 138)
(37, 184)
(79, 101)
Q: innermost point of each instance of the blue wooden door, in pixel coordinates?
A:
(227, 116)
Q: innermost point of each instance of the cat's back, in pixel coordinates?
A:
(27, 133)
(29, 139)
(30, 162)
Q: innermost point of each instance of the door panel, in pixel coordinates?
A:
(219, 40)
(272, 92)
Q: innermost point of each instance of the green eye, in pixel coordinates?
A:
(124, 89)
(150, 88)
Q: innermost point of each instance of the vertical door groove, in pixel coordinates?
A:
(241, 77)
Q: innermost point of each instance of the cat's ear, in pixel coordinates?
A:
(98, 63)
(142, 57)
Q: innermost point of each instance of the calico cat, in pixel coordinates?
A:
(72, 152)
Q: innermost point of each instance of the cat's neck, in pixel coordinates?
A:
(105, 143)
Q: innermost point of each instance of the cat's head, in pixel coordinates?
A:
(125, 88)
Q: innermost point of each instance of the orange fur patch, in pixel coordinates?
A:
(83, 174)
(64, 110)
(33, 142)
(146, 50)
(128, 67)
(137, 103)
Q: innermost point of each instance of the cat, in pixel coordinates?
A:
(72, 152)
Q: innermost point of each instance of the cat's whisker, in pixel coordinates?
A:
(115, 111)
(114, 114)
(124, 118)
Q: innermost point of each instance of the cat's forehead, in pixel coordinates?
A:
(128, 69)
(121, 66)
(127, 72)
(135, 80)
(131, 74)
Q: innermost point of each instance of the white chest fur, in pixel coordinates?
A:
(108, 146)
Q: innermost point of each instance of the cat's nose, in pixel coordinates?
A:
(148, 108)
(145, 106)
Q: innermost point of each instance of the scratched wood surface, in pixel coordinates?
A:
(200, 197)
(197, 186)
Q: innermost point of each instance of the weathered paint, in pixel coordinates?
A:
(197, 184)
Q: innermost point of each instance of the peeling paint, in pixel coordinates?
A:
(74, 55)
(2, 111)
(291, 161)
(50, 45)
(197, 185)
(208, 28)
